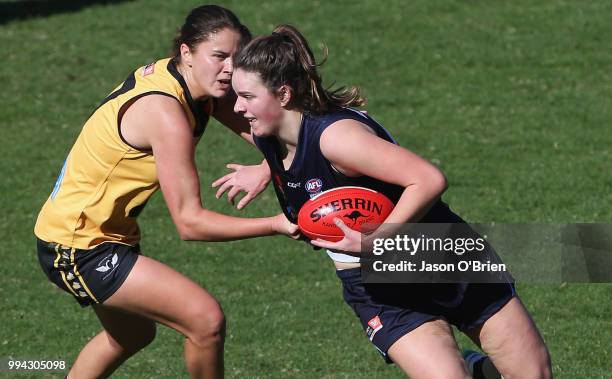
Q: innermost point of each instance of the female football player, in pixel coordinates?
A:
(141, 138)
(311, 135)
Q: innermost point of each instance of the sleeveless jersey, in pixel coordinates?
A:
(311, 173)
(105, 182)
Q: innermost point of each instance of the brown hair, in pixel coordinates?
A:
(204, 21)
(285, 58)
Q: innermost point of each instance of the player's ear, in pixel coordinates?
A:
(185, 54)
(285, 93)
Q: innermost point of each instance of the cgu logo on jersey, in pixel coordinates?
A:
(358, 210)
(313, 185)
(294, 185)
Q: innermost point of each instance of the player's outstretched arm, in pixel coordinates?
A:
(163, 127)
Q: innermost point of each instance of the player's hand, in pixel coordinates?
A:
(351, 243)
(249, 179)
(283, 226)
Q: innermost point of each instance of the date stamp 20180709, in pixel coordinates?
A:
(16, 365)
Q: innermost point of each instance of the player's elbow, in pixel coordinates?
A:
(185, 231)
(185, 234)
(435, 182)
(190, 233)
(192, 227)
(440, 184)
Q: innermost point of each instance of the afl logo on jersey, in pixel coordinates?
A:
(314, 185)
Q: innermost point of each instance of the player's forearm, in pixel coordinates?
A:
(205, 225)
(415, 202)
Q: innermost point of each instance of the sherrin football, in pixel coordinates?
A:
(355, 206)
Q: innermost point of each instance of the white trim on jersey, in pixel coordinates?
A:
(342, 258)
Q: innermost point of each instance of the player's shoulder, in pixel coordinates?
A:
(157, 68)
(337, 113)
(160, 76)
(155, 109)
(317, 124)
(348, 122)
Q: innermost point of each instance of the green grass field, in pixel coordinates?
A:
(510, 99)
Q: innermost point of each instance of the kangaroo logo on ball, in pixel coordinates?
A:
(354, 216)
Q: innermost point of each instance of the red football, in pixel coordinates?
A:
(355, 206)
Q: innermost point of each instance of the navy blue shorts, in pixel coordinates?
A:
(389, 311)
(91, 276)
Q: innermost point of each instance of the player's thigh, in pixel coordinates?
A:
(128, 330)
(513, 343)
(160, 293)
(429, 351)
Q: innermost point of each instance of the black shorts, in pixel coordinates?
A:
(389, 311)
(91, 276)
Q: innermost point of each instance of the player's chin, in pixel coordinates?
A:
(221, 92)
(258, 131)
(221, 89)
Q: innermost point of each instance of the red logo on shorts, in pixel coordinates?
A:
(374, 325)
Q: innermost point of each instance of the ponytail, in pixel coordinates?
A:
(285, 58)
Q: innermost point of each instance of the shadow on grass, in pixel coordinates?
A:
(20, 10)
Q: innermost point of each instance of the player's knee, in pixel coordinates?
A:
(207, 325)
(442, 373)
(540, 367)
(458, 371)
(450, 374)
(434, 369)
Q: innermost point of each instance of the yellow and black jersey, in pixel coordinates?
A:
(105, 182)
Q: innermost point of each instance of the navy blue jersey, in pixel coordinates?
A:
(385, 311)
(311, 173)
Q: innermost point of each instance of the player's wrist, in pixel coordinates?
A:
(265, 169)
(275, 225)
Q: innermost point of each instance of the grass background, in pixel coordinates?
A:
(511, 100)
